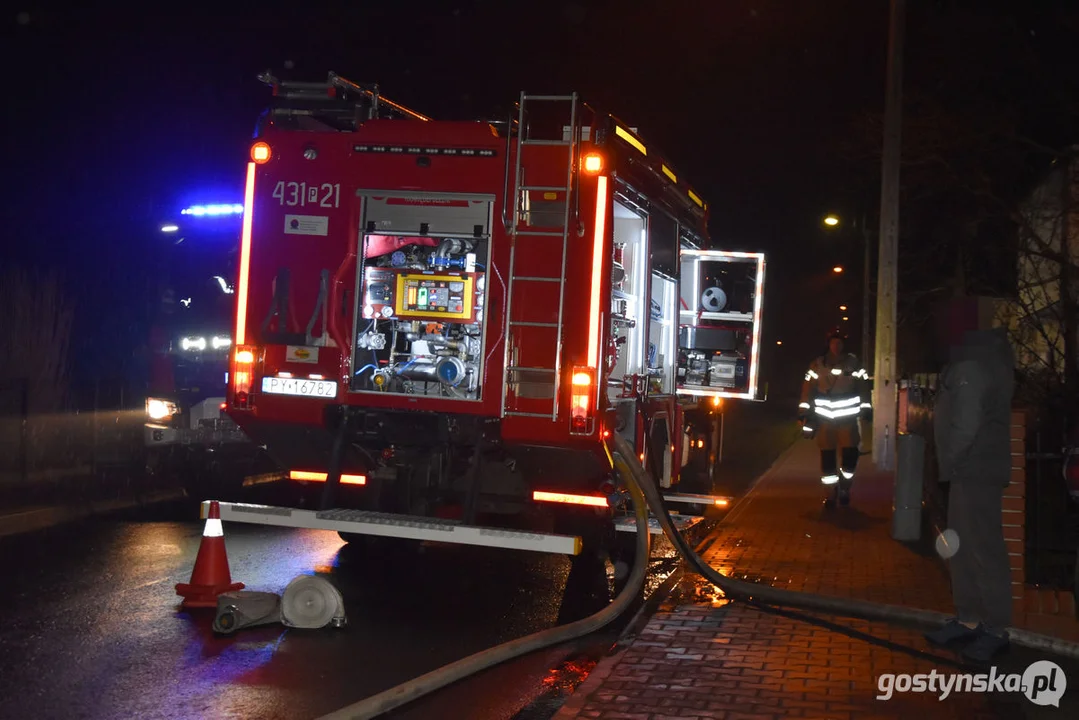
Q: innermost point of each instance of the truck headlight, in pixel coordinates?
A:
(193, 343)
(157, 409)
(220, 341)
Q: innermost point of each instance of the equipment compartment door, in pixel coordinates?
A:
(719, 334)
(421, 294)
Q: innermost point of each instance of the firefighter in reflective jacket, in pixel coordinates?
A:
(834, 395)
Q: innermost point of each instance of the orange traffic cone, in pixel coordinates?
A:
(211, 576)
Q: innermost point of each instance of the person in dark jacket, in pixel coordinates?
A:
(972, 418)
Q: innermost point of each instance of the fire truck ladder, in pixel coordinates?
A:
(520, 190)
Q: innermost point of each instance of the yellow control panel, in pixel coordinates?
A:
(438, 297)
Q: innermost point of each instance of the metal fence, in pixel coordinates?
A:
(1052, 518)
(1052, 526)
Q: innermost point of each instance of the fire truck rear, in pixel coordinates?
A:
(439, 323)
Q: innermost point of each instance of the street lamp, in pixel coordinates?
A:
(832, 221)
(837, 269)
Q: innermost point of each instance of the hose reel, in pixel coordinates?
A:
(312, 602)
(309, 602)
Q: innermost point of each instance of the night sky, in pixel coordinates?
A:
(115, 118)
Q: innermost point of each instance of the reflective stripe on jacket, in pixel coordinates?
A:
(835, 388)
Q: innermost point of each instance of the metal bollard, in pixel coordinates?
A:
(907, 507)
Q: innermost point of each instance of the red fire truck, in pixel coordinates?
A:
(439, 323)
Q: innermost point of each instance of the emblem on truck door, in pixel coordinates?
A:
(307, 225)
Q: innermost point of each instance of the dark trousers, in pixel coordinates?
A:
(981, 577)
(849, 464)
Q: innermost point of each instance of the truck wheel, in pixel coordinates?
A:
(587, 590)
(623, 556)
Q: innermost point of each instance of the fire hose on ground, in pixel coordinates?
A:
(641, 488)
(408, 691)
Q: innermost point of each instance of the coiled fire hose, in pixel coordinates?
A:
(638, 483)
(411, 690)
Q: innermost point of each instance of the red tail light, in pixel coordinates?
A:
(243, 371)
(582, 381)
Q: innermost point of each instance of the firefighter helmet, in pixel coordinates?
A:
(836, 334)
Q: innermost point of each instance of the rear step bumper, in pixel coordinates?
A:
(400, 526)
(682, 523)
(412, 527)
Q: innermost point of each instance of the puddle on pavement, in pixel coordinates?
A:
(694, 590)
(569, 674)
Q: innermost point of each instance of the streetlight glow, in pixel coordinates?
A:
(779, 342)
(831, 220)
(837, 269)
(845, 318)
(843, 308)
(169, 228)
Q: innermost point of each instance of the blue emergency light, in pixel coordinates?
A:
(212, 210)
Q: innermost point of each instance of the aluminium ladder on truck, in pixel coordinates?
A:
(572, 145)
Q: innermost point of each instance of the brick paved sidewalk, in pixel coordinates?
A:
(702, 656)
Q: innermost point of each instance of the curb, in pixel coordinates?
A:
(576, 702)
(33, 519)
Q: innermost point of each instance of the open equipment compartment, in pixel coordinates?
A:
(720, 323)
(421, 294)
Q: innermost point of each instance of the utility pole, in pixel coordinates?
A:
(865, 290)
(885, 396)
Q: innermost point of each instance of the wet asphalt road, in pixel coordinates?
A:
(93, 629)
(92, 626)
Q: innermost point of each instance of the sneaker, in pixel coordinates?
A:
(985, 647)
(952, 631)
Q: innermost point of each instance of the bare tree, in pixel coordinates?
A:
(1043, 315)
(977, 137)
(35, 341)
(35, 336)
